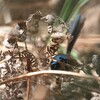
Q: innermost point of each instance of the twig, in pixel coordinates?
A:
(24, 76)
(26, 46)
(28, 89)
(16, 45)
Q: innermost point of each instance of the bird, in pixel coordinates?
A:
(60, 61)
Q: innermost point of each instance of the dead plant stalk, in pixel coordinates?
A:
(25, 76)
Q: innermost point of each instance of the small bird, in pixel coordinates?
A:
(59, 61)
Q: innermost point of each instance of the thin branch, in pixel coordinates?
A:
(26, 46)
(28, 89)
(24, 76)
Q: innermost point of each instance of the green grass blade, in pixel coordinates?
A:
(77, 8)
(63, 8)
(69, 9)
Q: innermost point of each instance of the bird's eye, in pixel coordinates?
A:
(60, 57)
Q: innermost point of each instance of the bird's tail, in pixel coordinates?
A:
(75, 29)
